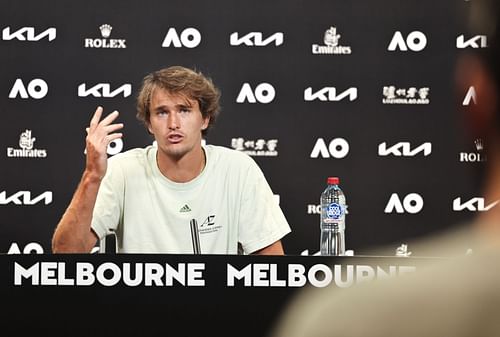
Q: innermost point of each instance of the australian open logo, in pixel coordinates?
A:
(334, 211)
(331, 44)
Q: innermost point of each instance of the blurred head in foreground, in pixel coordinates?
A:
(479, 69)
(446, 297)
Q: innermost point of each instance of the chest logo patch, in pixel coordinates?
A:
(185, 209)
(209, 225)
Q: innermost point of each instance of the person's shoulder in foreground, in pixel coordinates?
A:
(456, 297)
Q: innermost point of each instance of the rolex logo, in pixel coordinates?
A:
(479, 144)
(105, 30)
(105, 42)
(478, 156)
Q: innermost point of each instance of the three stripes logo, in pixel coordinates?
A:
(185, 209)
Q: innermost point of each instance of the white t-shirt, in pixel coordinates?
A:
(231, 201)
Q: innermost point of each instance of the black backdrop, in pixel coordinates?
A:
(282, 132)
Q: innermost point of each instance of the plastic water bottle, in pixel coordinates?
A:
(333, 211)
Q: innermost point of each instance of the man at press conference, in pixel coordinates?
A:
(176, 197)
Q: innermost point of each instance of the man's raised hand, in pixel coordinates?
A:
(99, 134)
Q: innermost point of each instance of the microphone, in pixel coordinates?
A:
(195, 236)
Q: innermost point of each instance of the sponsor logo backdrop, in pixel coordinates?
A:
(361, 90)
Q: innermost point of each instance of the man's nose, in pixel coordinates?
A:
(173, 121)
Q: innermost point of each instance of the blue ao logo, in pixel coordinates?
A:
(334, 211)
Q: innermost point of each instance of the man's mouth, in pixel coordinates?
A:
(175, 138)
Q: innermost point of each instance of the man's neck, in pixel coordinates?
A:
(182, 169)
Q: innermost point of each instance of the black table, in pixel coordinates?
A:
(176, 295)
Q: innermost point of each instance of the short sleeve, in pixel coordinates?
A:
(261, 220)
(108, 208)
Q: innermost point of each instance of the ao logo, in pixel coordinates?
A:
(114, 147)
(415, 41)
(263, 93)
(470, 97)
(37, 89)
(30, 248)
(337, 148)
(412, 203)
(189, 38)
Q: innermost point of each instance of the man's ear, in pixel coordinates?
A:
(206, 121)
(480, 113)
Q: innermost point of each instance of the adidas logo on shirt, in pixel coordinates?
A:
(185, 209)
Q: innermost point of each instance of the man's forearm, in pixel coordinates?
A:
(73, 233)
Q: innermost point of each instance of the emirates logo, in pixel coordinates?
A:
(331, 37)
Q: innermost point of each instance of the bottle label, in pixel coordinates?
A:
(334, 211)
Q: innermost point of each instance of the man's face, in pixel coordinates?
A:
(176, 123)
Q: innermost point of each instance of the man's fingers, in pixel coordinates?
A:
(113, 136)
(95, 118)
(109, 118)
(113, 127)
(105, 123)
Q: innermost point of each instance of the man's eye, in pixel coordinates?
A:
(185, 110)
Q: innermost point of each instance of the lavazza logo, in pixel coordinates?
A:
(105, 42)
(331, 44)
(26, 148)
(478, 156)
(412, 95)
(256, 148)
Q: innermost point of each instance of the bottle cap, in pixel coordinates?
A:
(333, 180)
